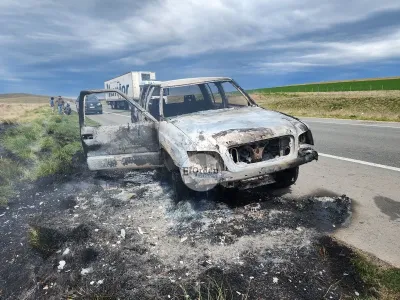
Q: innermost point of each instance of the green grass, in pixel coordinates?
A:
(10, 171)
(59, 142)
(385, 280)
(340, 86)
(44, 146)
(59, 161)
(44, 240)
(34, 238)
(20, 140)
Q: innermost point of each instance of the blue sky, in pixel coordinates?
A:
(61, 47)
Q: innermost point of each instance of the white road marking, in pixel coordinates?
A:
(361, 162)
(339, 123)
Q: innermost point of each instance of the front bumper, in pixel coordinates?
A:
(93, 110)
(250, 177)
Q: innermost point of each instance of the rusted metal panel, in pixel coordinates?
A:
(229, 126)
(124, 161)
(126, 146)
(250, 182)
(132, 145)
(122, 139)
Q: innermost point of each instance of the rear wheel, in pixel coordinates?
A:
(286, 177)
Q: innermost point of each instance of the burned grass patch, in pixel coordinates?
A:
(44, 240)
(148, 247)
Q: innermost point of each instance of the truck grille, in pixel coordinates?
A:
(261, 150)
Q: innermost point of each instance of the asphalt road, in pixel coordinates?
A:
(357, 158)
(375, 142)
(110, 116)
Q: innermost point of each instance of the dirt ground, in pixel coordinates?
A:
(121, 236)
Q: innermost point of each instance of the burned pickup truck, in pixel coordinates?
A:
(206, 132)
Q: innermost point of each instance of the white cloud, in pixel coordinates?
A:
(309, 54)
(367, 49)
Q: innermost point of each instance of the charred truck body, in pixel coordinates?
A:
(207, 132)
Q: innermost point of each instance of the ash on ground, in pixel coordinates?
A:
(124, 238)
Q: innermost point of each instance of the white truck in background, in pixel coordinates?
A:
(130, 84)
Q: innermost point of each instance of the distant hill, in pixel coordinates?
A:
(373, 84)
(23, 98)
(17, 95)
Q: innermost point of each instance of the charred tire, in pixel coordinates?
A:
(286, 178)
(180, 190)
(168, 161)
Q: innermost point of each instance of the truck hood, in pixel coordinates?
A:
(236, 126)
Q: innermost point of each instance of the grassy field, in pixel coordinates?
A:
(364, 105)
(17, 112)
(36, 143)
(18, 107)
(377, 84)
(23, 98)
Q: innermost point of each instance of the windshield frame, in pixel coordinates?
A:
(220, 91)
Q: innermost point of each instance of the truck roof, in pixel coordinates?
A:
(129, 73)
(189, 81)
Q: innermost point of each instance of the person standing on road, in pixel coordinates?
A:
(52, 104)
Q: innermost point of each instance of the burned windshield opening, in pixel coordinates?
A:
(194, 98)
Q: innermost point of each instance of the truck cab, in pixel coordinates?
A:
(206, 132)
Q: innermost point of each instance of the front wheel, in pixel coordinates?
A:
(180, 190)
(286, 177)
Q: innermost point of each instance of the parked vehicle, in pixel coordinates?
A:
(206, 132)
(131, 84)
(93, 105)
